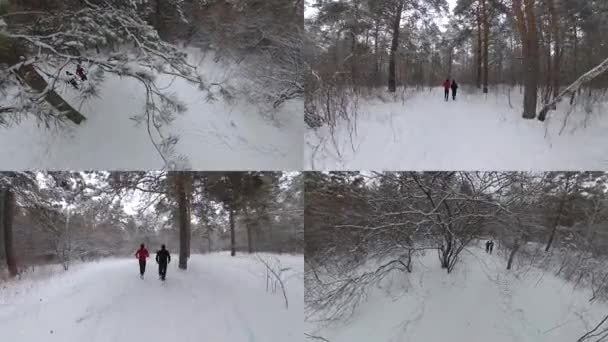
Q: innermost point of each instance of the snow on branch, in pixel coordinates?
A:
(274, 277)
(106, 38)
(598, 334)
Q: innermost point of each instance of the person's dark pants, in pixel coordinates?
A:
(162, 270)
(453, 94)
(142, 267)
(447, 94)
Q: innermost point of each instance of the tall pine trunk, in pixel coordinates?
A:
(392, 80)
(188, 215)
(249, 238)
(376, 54)
(232, 234)
(249, 235)
(184, 219)
(486, 44)
(526, 25)
(7, 205)
(554, 21)
(478, 55)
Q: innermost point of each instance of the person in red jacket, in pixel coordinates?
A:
(142, 254)
(446, 88)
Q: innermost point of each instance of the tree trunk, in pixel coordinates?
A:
(486, 45)
(7, 204)
(450, 60)
(184, 219)
(188, 215)
(232, 235)
(10, 53)
(512, 255)
(575, 49)
(549, 82)
(479, 42)
(558, 214)
(392, 82)
(555, 225)
(554, 21)
(526, 25)
(249, 237)
(376, 55)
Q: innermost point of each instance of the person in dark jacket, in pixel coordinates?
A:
(142, 254)
(163, 258)
(80, 73)
(446, 89)
(454, 87)
(491, 246)
(488, 246)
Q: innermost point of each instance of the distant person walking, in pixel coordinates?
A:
(163, 258)
(446, 89)
(491, 246)
(454, 87)
(142, 254)
(488, 246)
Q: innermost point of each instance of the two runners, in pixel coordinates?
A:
(163, 258)
(446, 87)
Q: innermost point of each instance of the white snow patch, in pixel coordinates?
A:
(218, 298)
(475, 132)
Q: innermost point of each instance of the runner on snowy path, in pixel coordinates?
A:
(142, 254)
(454, 88)
(163, 258)
(446, 88)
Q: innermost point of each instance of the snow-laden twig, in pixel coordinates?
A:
(314, 337)
(274, 274)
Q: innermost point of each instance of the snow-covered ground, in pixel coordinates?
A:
(475, 132)
(479, 302)
(219, 298)
(214, 135)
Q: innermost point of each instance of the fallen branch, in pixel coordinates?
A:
(573, 88)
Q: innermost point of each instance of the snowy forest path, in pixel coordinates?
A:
(217, 298)
(475, 132)
(515, 323)
(479, 301)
